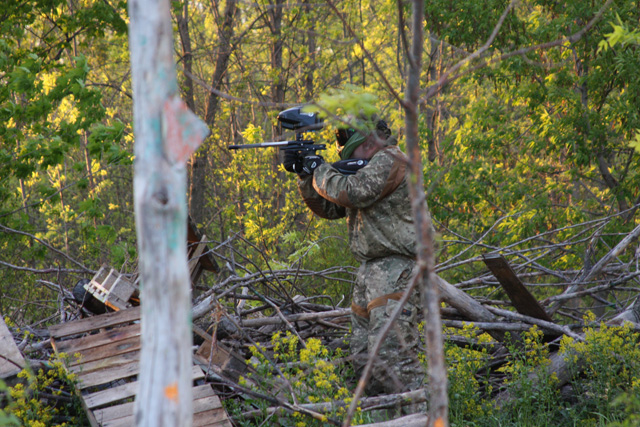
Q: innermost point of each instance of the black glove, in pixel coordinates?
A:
(293, 161)
(310, 163)
(350, 166)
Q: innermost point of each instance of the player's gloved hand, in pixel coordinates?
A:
(293, 161)
(310, 163)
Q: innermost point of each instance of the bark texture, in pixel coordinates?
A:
(166, 133)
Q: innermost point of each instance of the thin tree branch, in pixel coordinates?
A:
(445, 79)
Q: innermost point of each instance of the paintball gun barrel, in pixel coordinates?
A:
(304, 146)
(300, 122)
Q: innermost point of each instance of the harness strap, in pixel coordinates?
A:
(359, 310)
(380, 301)
(375, 303)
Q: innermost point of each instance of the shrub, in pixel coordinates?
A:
(44, 398)
(308, 374)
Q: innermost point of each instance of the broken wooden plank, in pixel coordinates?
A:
(207, 261)
(114, 412)
(194, 254)
(210, 419)
(108, 375)
(230, 364)
(98, 352)
(96, 322)
(206, 406)
(521, 298)
(111, 395)
(128, 390)
(87, 342)
(11, 360)
(110, 361)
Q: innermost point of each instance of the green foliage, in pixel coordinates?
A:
(6, 418)
(635, 143)
(605, 379)
(57, 139)
(469, 23)
(465, 387)
(611, 366)
(630, 403)
(605, 376)
(535, 142)
(28, 403)
(309, 373)
(533, 403)
(523, 146)
(345, 104)
(620, 35)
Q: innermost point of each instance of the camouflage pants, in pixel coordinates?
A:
(397, 367)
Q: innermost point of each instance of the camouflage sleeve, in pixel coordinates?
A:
(374, 182)
(319, 205)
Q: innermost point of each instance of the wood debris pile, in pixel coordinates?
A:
(245, 309)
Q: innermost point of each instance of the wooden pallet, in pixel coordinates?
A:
(109, 349)
(111, 288)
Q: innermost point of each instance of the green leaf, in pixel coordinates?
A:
(635, 143)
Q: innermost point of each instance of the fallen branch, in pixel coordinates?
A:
(562, 330)
(263, 321)
(413, 420)
(366, 404)
(598, 267)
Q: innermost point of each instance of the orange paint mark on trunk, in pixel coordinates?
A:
(171, 392)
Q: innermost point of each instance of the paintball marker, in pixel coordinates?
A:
(294, 119)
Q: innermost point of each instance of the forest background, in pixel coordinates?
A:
(531, 148)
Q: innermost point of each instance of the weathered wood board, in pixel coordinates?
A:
(11, 360)
(104, 355)
(230, 364)
(522, 300)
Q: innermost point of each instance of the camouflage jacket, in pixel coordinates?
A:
(375, 202)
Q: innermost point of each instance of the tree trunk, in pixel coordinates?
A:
(199, 161)
(310, 67)
(187, 55)
(166, 133)
(275, 15)
(438, 399)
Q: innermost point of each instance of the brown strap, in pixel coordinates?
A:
(359, 310)
(380, 301)
(375, 303)
(395, 178)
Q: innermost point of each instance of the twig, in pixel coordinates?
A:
(447, 78)
(48, 246)
(599, 266)
(538, 322)
(366, 403)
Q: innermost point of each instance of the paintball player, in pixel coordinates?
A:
(375, 202)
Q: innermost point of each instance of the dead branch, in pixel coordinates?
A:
(252, 323)
(366, 404)
(48, 246)
(599, 266)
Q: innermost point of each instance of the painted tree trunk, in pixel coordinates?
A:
(166, 134)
